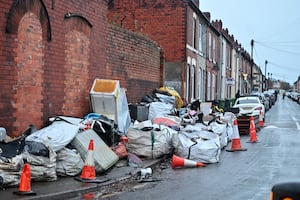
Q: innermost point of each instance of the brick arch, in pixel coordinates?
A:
(20, 7)
(83, 19)
(27, 100)
(77, 62)
(78, 23)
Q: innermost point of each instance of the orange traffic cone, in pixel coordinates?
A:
(88, 173)
(25, 182)
(181, 162)
(261, 119)
(235, 141)
(253, 137)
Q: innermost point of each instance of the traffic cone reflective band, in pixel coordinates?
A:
(88, 171)
(235, 141)
(261, 119)
(25, 182)
(253, 137)
(181, 162)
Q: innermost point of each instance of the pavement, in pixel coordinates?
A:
(69, 187)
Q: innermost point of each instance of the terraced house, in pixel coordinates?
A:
(202, 60)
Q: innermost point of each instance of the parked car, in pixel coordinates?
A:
(288, 94)
(250, 105)
(268, 98)
(295, 96)
(271, 96)
(263, 99)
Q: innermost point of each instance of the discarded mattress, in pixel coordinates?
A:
(104, 157)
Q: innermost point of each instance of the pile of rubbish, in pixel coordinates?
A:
(193, 131)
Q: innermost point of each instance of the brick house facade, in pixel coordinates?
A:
(174, 25)
(213, 65)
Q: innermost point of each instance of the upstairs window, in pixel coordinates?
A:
(209, 46)
(200, 38)
(194, 32)
(214, 49)
(228, 61)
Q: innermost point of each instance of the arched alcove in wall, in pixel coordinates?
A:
(27, 101)
(77, 62)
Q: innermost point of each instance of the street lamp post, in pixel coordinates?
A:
(251, 68)
(271, 81)
(268, 81)
(266, 62)
(238, 51)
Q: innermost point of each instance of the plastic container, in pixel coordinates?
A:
(139, 112)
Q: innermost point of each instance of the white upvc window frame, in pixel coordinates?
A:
(213, 87)
(208, 86)
(200, 38)
(214, 49)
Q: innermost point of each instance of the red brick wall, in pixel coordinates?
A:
(49, 60)
(76, 68)
(27, 99)
(56, 53)
(163, 21)
(135, 61)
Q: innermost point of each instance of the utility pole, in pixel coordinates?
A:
(237, 71)
(251, 62)
(266, 62)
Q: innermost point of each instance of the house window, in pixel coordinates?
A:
(187, 82)
(199, 83)
(209, 46)
(228, 57)
(213, 87)
(214, 49)
(194, 32)
(203, 81)
(208, 86)
(200, 38)
(192, 82)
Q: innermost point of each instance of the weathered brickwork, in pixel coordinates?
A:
(76, 68)
(163, 21)
(50, 53)
(27, 100)
(136, 62)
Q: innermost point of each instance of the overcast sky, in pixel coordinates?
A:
(274, 25)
